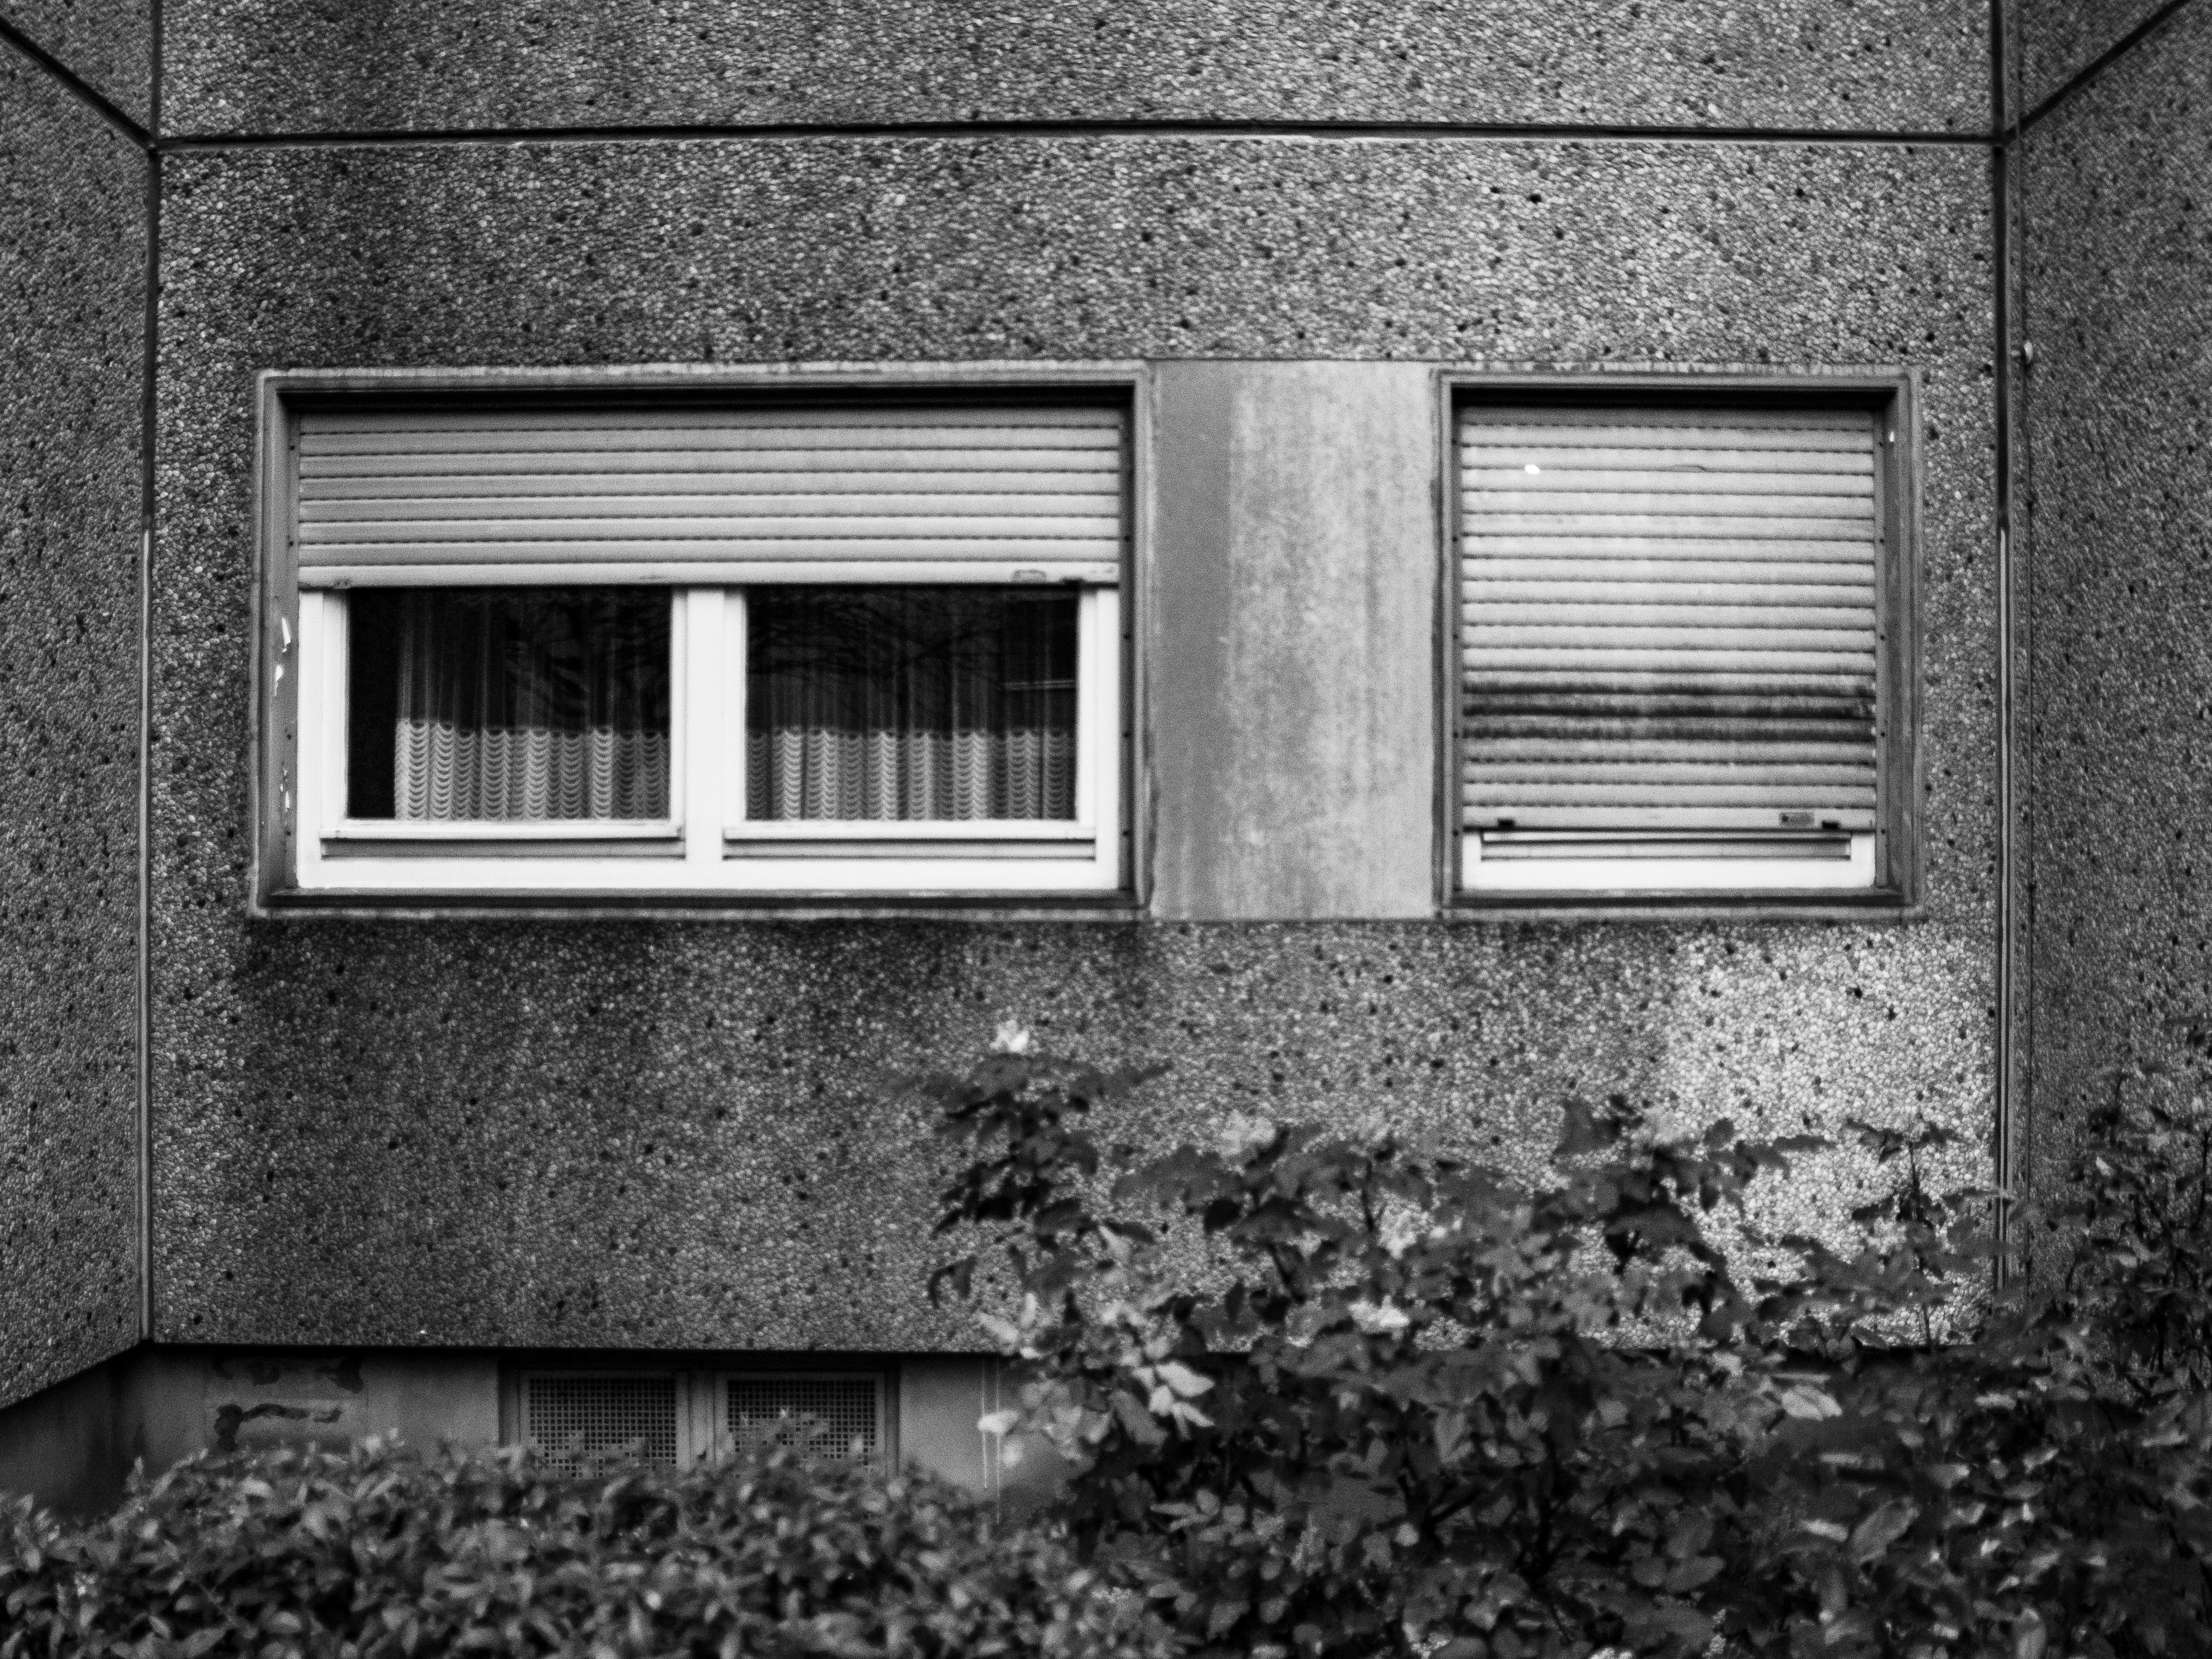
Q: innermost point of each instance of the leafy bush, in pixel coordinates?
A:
(379, 1554)
(1344, 1399)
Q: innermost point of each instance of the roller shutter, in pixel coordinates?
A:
(1669, 620)
(913, 492)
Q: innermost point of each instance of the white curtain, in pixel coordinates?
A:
(910, 703)
(531, 705)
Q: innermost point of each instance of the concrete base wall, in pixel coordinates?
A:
(71, 1448)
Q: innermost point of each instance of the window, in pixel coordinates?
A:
(579, 1420)
(1683, 659)
(803, 647)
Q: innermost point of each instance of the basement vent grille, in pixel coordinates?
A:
(574, 1422)
(841, 1417)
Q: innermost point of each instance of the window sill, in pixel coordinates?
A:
(1876, 906)
(343, 904)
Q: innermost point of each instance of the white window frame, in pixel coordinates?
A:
(1517, 871)
(707, 844)
(707, 849)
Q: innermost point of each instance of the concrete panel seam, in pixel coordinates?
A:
(2095, 68)
(78, 87)
(1372, 131)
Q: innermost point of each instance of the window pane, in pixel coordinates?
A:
(910, 702)
(508, 704)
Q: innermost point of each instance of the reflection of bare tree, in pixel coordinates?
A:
(510, 703)
(911, 702)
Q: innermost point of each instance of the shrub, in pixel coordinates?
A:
(1394, 1400)
(380, 1552)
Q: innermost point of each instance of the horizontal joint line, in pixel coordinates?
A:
(1383, 131)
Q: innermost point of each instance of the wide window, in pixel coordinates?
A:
(1681, 655)
(790, 648)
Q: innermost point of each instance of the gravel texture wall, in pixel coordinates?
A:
(627, 1132)
(107, 44)
(343, 65)
(72, 311)
(2118, 268)
(2058, 39)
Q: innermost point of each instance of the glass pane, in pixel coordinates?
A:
(507, 703)
(910, 703)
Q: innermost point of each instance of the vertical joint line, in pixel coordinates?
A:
(149, 371)
(2009, 1114)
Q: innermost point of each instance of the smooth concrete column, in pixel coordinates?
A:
(1293, 717)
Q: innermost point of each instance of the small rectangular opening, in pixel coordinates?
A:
(576, 1422)
(837, 1418)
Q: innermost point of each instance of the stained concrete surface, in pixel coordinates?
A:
(107, 44)
(1293, 660)
(72, 310)
(612, 1133)
(2119, 275)
(344, 65)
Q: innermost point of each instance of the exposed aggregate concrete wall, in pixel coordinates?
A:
(616, 1133)
(340, 66)
(2118, 275)
(107, 44)
(72, 312)
(2058, 39)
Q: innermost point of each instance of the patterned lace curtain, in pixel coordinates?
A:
(910, 703)
(525, 704)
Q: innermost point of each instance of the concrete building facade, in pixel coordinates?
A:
(270, 1168)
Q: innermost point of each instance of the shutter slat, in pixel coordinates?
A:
(717, 527)
(660, 417)
(1482, 507)
(1581, 431)
(1534, 478)
(1764, 573)
(1660, 527)
(1637, 818)
(1669, 613)
(1495, 734)
(1002, 493)
(1634, 746)
(1843, 550)
(1601, 611)
(826, 509)
(1690, 648)
(1807, 778)
(1752, 596)
(827, 552)
(1504, 794)
(1100, 482)
(1734, 703)
(1851, 461)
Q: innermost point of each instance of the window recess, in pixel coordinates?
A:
(587, 1421)
(792, 648)
(1678, 652)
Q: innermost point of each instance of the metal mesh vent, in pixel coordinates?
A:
(844, 1411)
(574, 1421)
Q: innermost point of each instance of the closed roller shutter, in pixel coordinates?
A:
(689, 494)
(1669, 620)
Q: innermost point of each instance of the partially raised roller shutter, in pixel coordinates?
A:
(913, 492)
(1669, 620)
